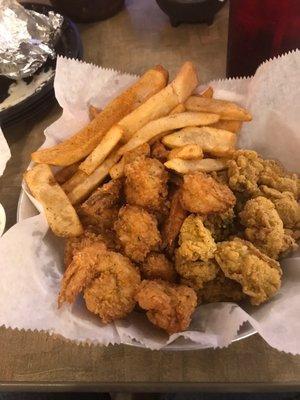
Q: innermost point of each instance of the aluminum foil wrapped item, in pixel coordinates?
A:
(27, 39)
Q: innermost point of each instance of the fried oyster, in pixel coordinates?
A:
(259, 275)
(264, 228)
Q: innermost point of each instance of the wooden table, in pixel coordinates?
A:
(132, 41)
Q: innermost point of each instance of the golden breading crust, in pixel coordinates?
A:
(108, 279)
(259, 275)
(247, 170)
(86, 239)
(146, 183)
(274, 176)
(137, 231)
(101, 208)
(196, 273)
(157, 266)
(202, 194)
(169, 306)
(286, 205)
(244, 170)
(264, 227)
(159, 151)
(220, 225)
(193, 258)
(195, 241)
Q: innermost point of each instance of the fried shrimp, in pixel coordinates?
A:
(108, 280)
(146, 183)
(157, 266)
(169, 306)
(202, 194)
(137, 232)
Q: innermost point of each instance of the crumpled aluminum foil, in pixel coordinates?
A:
(27, 39)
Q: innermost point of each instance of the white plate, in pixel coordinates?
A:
(26, 209)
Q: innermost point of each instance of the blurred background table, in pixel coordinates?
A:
(132, 41)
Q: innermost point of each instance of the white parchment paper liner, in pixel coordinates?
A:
(4, 152)
(31, 257)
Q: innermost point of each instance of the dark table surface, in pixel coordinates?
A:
(36, 361)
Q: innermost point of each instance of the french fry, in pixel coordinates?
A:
(75, 180)
(178, 109)
(60, 214)
(93, 112)
(185, 81)
(213, 141)
(117, 170)
(207, 93)
(98, 155)
(163, 102)
(187, 166)
(65, 173)
(232, 126)
(83, 142)
(165, 124)
(226, 109)
(90, 182)
(187, 152)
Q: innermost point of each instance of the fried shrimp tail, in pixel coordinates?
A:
(108, 280)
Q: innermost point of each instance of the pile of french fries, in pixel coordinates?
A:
(200, 131)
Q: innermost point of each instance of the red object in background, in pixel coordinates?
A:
(259, 30)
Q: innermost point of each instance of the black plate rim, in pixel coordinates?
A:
(18, 110)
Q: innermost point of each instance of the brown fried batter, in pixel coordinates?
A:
(146, 183)
(247, 170)
(157, 266)
(102, 207)
(202, 194)
(289, 243)
(173, 223)
(263, 209)
(221, 225)
(274, 176)
(195, 273)
(264, 228)
(259, 275)
(193, 257)
(140, 152)
(287, 207)
(169, 306)
(88, 237)
(109, 281)
(220, 176)
(220, 289)
(159, 151)
(137, 232)
(244, 170)
(195, 241)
